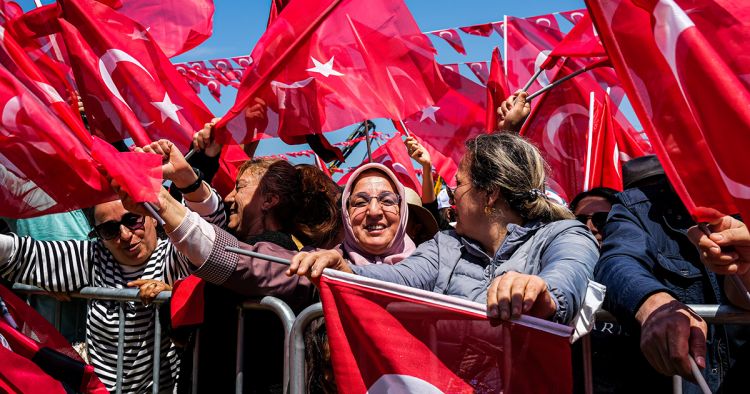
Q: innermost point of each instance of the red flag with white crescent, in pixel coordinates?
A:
(573, 16)
(451, 37)
(214, 88)
(548, 20)
(481, 71)
(385, 337)
(225, 68)
(484, 30)
(603, 162)
(582, 41)
(243, 61)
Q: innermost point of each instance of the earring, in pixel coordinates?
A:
(263, 213)
(489, 210)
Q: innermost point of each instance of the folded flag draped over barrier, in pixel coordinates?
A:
(326, 64)
(385, 337)
(684, 68)
(35, 358)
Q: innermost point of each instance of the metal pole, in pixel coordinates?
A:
(698, 376)
(588, 379)
(533, 78)
(120, 348)
(367, 139)
(297, 347)
(554, 84)
(196, 359)
(272, 259)
(505, 44)
(157, 352)
(86, 334)
(677, 384)
(58, 314)
(591, 137)
(240, 349)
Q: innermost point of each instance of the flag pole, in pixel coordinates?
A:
(735, 279)
(505, 45)
(367, 139)
(591, 137)
(533, 78)
(152, 210)
(405, 129)
(273, 259)
(554, 84)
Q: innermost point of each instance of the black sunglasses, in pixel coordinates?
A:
(598, 219)
(111, 229)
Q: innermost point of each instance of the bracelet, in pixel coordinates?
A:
(195, 186)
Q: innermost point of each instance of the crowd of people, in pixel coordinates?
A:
(496, 238)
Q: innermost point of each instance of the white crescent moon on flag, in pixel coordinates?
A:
(10, 112)
(402, 384)
(616, 160)
(222, 65)
(540, 58)
(450, 34)
(544, 19)
(579, 14)
(212, 84)
(49, 92)
(476, 64)
(553, 126)
(107, 64)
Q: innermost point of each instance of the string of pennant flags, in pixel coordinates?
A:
(310, 153)
(225, 73)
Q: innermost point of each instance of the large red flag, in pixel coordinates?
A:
(529, 44)
(342, 62)
(455, 118)
(177, 25)
(603, 156)
(581, 41)
(497, 90)
(385, 337)
(393, 155)
(35, 358)
(443, 165)
(673, 59)
(122, 73)
(452, 38)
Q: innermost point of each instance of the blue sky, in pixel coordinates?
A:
(238, 24)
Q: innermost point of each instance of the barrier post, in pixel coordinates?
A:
(196, 346)
(588, 377)
(157, 352)
(240, 349)
(297, 343)
(120, 348)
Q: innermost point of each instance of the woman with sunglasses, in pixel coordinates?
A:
(512, 248)
(125, 252)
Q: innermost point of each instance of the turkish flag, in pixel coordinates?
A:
(548, 20)
(225, 68)
(37, 359)
(498, 27)
(497, 89)
(200, 67)
(529, 43)
(581, 41)
(243, 61)
(480, 70)
(393, 155)
(214, 88)
(444, 166)
(455, 118)
(451, 37)
(122, 73)
(385, 338)
(573, 16)
(453, 67)
(683, 53)
(177, 25)
(326, 64)
(484, 30)
(429, 43)
(603, 161)
(194, 74)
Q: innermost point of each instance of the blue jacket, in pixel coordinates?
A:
(563, 253)
(646, 251)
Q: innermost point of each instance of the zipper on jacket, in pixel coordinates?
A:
(721, 364)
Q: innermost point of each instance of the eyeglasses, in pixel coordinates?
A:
(452, 192)
(111, 229)
(361, 201)
(598, 219)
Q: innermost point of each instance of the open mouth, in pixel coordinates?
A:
(132, 248)
(375, 228)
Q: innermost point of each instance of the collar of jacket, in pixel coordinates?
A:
(516, 236)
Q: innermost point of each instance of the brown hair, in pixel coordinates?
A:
(512, 164)
(308, 199)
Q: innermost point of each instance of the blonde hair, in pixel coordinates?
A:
(513, 165)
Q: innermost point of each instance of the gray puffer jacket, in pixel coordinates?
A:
(563, 253)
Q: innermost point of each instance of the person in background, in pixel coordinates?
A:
(592, 208)
(429, 199)
(652, 270)
(422, 225)
(641, 171)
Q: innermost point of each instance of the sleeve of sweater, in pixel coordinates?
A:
(420, 270)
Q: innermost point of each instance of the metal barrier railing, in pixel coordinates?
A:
(122, 295)
(297, 346)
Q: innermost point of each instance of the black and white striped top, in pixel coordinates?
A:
(71, 265)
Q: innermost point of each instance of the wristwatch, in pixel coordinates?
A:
(195, 186)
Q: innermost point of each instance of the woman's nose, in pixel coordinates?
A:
(230, 197)
(125, 233)
(374, 208)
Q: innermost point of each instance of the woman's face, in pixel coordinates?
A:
(374, 226)
(245, 207)
(470, 204)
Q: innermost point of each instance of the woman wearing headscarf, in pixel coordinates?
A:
(512, 249)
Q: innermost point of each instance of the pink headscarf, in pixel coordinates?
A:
(401, 246)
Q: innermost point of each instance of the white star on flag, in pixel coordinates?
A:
(325, 69)
(429, 112)
(138, 35)
(168, 110)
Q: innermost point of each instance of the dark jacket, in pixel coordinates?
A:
(646, 251)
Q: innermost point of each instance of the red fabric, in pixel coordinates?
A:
(484, 30)
(341, 62)
(429, 43)
(455, 118)
(322, 166)
(497, 90)
(125, 79)
(18, 374)
(498, 26)
(393, 155)
(225, 67)
(177, 25)
(548, 21)
(581, 41)
(573, 16)
(187, 301)
(243, 61)
(451, 37)
(529, 44)
(453, 67)
(232, 158)
(480, 70)
(444, 166)
(604, 161)
(385, 336)
(683, 53)
(214, 88)
(200, 67)
(139, 174)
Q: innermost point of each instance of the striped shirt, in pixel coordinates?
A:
(71, 265)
